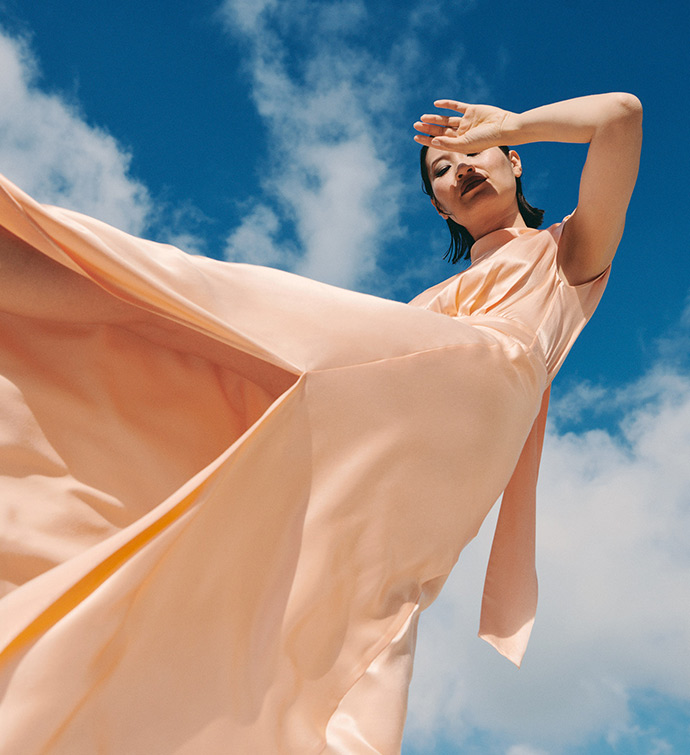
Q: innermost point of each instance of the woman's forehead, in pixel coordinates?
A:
(434, 154)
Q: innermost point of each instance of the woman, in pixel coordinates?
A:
(229, 491)
(610, 123)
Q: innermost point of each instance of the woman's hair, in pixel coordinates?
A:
(460, 238)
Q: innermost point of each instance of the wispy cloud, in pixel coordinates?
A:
(333, 195)
(614, 513)
(49, 150)
(583, 398)
(333, 189)
(524, 750)
(256, 240)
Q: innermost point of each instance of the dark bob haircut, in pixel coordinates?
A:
(460, 238)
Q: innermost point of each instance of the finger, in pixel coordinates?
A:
(460, 107)
(430, 128)
(449, 121)
(441, 120)
(425, 140)
(452, 144)
(438, 142)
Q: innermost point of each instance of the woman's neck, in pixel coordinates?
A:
(511, 219)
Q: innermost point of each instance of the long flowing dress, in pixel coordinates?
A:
(220, 517)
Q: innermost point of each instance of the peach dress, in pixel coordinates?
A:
(220, 520)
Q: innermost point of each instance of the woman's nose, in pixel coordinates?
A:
(463, 169)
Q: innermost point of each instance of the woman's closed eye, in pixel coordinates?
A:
(444, 168)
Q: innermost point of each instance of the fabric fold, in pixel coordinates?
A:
(509, 602)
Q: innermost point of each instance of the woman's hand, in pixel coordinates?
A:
(477, 128)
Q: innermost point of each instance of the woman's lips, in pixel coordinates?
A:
(471, 183)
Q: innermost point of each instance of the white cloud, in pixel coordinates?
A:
(246, 14)
(524, 750)
(332, 110)
(580, 399)
(254, 240)
(48, 149)
(327, 181)
(614, 567)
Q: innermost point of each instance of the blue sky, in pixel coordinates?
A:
(279, 132)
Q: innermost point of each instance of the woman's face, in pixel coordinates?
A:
(476, 191)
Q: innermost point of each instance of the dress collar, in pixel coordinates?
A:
(496, 239)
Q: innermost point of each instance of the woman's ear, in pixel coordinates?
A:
(515, 162)
(439, 209)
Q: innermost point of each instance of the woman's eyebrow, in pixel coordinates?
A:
(438, 159)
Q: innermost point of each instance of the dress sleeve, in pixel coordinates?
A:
(569, 310)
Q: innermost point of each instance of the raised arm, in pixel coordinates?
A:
(610, 123)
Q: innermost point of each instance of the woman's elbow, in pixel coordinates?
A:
(626, 108)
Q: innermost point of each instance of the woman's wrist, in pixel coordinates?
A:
(516, 129)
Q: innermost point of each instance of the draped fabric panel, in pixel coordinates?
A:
(228, 492)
